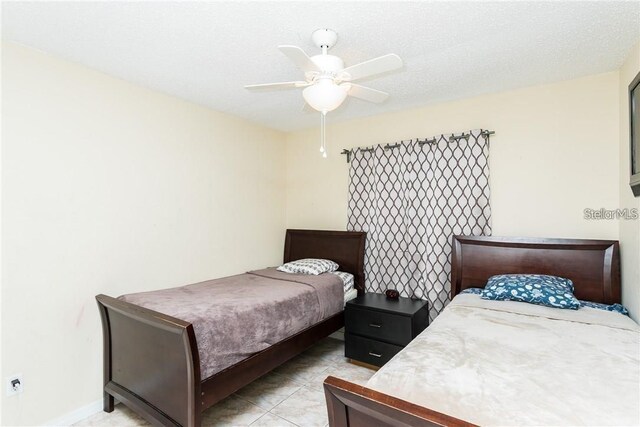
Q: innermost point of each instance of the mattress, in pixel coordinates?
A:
(511, 363)
(237, 316)
(350, 294)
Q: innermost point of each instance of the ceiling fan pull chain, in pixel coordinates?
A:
(323, 134)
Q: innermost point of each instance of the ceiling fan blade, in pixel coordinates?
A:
(365, 93)
(280, 85)
(374, 66)
(299, 57)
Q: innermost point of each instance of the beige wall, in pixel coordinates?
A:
(555, 152)
(111, 188)
(629, 230)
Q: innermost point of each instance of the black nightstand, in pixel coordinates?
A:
(377, 328)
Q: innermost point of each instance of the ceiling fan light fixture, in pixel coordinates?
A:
(324, 95)
(327, 82)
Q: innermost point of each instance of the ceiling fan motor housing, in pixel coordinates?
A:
(329, 63)
(324, 37)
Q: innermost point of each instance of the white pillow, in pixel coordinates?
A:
(313, 266)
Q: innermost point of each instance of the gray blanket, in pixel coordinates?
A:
(237, 316)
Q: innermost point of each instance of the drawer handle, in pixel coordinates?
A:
(374, 354)
(375, 325)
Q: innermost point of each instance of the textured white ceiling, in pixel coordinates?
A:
(206, 51)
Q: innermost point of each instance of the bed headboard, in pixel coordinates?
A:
(344, 247)
(592, 265)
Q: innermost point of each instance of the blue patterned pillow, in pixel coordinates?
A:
(475, 291)
(618, 308)
(550, 291)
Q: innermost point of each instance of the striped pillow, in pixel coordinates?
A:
(312, 266)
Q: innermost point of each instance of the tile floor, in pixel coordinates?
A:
(291, 395)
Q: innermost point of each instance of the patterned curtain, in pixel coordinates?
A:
(410, 200)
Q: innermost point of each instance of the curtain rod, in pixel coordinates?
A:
(452, 138)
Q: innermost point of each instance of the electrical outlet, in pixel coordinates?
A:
(15, 384)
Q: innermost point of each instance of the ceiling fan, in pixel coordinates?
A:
(327, 82)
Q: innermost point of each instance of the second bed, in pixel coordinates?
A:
(486, 362)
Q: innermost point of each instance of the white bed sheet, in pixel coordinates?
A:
(350, 294)
(510, 363)
(347, 279)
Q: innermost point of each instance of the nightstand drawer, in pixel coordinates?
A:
(369, 351)
(392, 328)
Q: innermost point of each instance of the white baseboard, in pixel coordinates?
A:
(77, 415)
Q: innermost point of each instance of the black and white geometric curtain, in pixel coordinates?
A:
(410, 200)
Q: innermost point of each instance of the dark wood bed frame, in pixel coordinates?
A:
(592, 265)
(151, 360)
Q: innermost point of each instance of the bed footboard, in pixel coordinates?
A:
(353, 405)
(151, 363)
